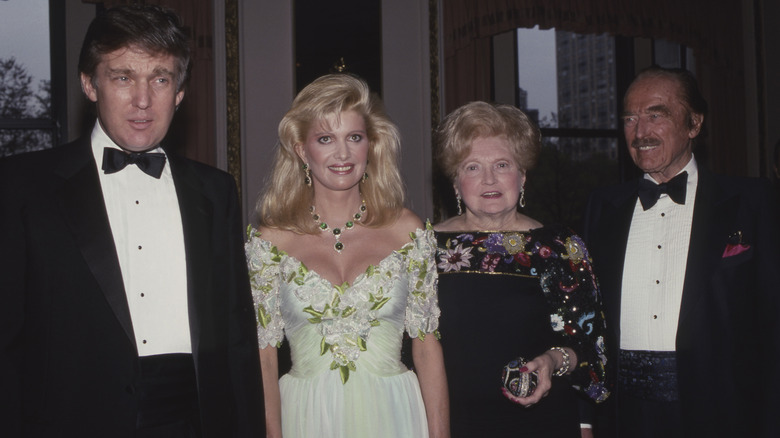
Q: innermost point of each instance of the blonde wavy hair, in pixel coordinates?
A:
(478, 119)
(285, 201)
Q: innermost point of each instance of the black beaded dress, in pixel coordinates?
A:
(509, 294)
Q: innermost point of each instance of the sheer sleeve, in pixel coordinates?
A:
(263, 260)
(572, 291)
(422, 309)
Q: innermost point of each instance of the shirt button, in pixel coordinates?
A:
(144, 341)
(655, 316)
(139, 246)
(658, 282)
(659, 246)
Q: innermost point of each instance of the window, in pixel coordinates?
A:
(569, 83)
(573, 87)
(28, 92)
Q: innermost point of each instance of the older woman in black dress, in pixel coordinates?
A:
(511, 287)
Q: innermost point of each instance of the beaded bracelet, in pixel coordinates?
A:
(566, 361)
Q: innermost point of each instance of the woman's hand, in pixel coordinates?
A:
(544, 365)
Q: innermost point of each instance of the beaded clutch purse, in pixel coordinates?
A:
(517, 383)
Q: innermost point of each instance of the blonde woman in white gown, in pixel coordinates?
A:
(341, 269)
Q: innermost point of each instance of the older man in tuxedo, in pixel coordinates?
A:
(126, 309)
(687, 262)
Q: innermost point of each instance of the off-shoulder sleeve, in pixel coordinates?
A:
(263, 260)
(572, 291)
(422, 309)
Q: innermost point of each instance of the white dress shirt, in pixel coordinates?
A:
(146, 223)
(654, 270)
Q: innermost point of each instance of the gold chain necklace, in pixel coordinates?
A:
(357, 217)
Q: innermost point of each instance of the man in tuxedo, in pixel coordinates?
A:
(126, 309)
(687, 262)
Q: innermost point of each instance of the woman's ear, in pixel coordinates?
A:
(301, 152)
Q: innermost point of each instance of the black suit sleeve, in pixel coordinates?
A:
(767, 355)
(244, 353)
(12, 299)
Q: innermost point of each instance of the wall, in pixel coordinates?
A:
(78, 15)
(266, 64)
(407, 91)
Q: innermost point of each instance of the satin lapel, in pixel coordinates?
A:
(196, 217)
(712, 217)
(81, 201)
(614, 226)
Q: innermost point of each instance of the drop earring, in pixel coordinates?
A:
(522, 197)
(460, 210)
(365, 177)
(306, 174)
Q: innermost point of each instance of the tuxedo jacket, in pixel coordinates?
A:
(728, 334)
(68, 359)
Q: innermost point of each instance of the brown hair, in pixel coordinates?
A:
(153, 29)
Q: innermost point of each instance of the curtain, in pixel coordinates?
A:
(714, 34)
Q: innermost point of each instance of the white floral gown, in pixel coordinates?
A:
(347, 379)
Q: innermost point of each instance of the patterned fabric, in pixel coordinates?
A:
(649, 375)
(559, 260)
(344, 314)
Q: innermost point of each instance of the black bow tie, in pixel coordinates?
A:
(649, 192)
(151, 163)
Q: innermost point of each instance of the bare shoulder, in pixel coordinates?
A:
(278, 237)
(406, 223)
(410, 220)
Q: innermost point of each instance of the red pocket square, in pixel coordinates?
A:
(735, 249)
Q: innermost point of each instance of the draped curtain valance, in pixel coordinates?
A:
(689, 22)
(713, 32)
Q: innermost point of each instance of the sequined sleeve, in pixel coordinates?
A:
(571, 289)
(422, 309)
(263, 260)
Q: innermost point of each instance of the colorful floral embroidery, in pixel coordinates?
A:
(559, 259)
(455, 258)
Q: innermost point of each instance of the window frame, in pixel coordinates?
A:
(56, 123)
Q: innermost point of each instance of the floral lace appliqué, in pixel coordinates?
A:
(344, 314)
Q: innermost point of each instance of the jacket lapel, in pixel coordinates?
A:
(614, 227)
(196, 216)
(81, 201)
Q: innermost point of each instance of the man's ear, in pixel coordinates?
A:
(179, 97)
(696, 121)
(88, 87)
